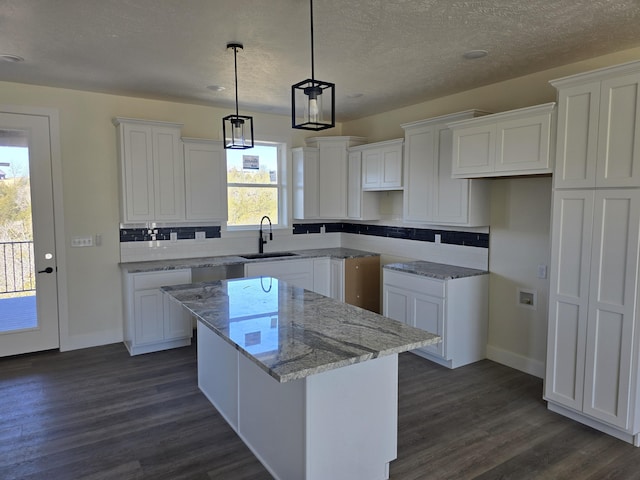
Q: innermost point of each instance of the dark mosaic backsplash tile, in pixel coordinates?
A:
(184, 233)
(419, 234)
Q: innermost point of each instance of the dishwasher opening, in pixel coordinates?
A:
(220, 272)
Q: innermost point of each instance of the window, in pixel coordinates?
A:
(254, 185)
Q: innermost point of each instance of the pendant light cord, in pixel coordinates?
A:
(313, 77)
(235, 69)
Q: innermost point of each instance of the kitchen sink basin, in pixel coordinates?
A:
(253, 256)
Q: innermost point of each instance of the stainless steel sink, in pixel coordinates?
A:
(253, 256)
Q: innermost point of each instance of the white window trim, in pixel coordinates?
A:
(283, 195)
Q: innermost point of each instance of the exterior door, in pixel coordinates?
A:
(28, 275)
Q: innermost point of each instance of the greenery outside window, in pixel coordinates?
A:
(254, 185)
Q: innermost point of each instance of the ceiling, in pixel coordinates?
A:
(381, 54)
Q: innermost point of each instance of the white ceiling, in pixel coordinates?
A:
(392, 52)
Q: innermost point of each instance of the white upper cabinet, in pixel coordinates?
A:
(321, 183)
(518, 142)
(382, 165)
(598, 142)
(205, 172)
(431, 195)
(152, 171)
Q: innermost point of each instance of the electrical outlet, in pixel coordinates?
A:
(438, 238)
(542, 271)
(200, 235)
(173, 236)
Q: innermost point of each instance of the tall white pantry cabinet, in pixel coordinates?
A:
(594, 336)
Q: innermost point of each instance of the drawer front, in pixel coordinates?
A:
(416, 283)
(149, 280)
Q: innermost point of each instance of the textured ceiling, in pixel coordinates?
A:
(381, 54)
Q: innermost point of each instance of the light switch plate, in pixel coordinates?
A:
(82, 241)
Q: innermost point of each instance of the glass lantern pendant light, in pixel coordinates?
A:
(313, 101)
(237, 130)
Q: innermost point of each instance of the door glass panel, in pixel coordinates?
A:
(17, 270)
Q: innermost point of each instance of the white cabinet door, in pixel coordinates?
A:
(205, 180)
(149, 316)
(294, 272)
(336, 273)
(136, 158)
(523, 144)
(391, 171)
(322, 276)
(474, 150)
(569, 296)
(306, 183)
(419, 172)
(612, 306)
(361, 205)
(333, 179)
(619, 136)
(177, 320)
(168, 172)
(397, 303)
(427, 313)
(371, 169)
(577, 136)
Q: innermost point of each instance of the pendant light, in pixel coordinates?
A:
(313, 101)
(237, 130)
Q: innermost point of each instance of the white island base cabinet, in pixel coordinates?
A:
(340, 424)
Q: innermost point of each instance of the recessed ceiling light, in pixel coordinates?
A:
(7, 57)
(216, 88)
(473, 54)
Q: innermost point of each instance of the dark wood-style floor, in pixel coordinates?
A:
(100, 414)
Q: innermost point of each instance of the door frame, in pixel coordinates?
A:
(58, 212)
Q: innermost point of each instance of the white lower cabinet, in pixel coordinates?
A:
(592, 352)
(152, 321)
(456, 310)
(298, 272)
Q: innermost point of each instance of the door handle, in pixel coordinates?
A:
(46, 270)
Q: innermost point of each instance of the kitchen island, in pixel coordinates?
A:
(309, 383)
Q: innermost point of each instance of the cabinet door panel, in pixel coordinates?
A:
(396, 304)
(523, 144)
(205, 181)
(177, 320)
(474, 150)
(419, 170)
(138, 176)
(391, 168)
(333, 181)
(148, 311)
(612, 300)
(168, 174)
(450, 195)
(354, 194)
(428, 314)
(371, 168)
(619, 136)
(569, 296)
(577, 140)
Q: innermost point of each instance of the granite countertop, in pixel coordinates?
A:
(439, 271)
(290, 332)
(220, 261)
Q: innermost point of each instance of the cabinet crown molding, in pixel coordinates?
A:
(596, 75)
(118, 120)
(508, 115)
(450, 117)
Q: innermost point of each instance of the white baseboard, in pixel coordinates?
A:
(76, 342)
(514, 360)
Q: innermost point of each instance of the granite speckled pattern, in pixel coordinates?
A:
(439, 271)
(221, 261)
(290, 332)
